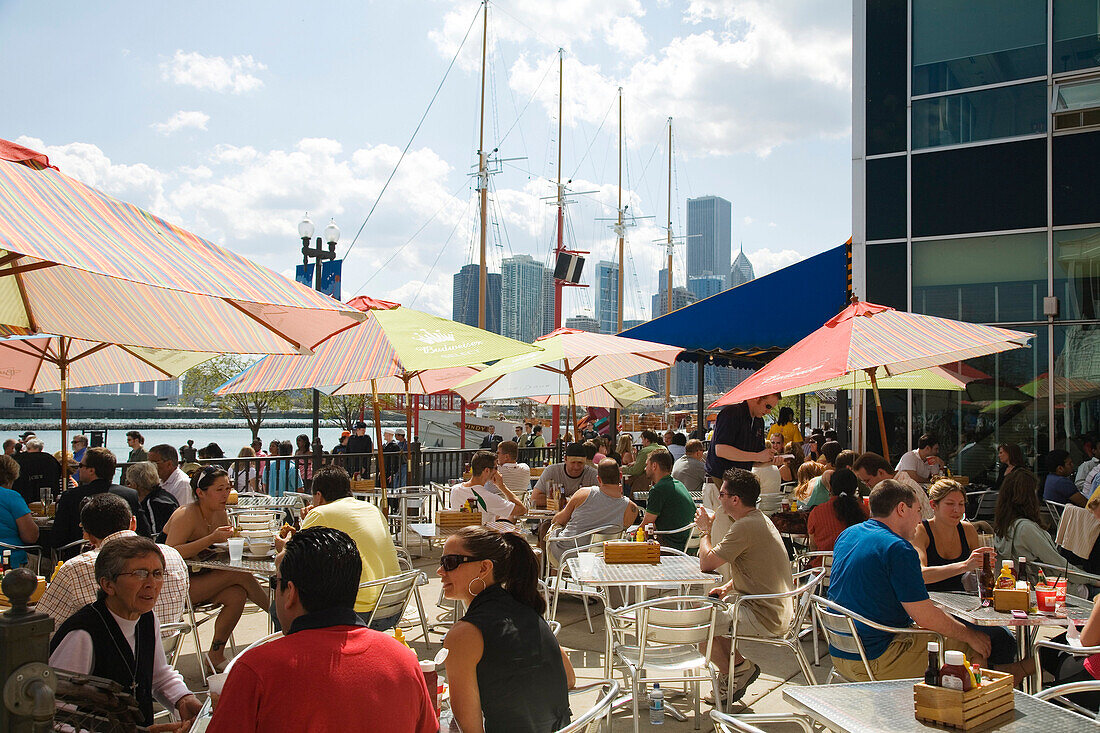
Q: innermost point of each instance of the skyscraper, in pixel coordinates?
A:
(607, 296)
(527, 297)
(709, 235)
(683, 374)
(706, 285)
(464, 300)
(583, 322)
(741, 272)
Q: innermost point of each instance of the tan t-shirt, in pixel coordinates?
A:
(758, 559)
(922, 495)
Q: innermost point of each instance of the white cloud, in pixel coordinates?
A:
(765, 261)
(213, 73)
(748, 220)
(182, 120)
(627, 37)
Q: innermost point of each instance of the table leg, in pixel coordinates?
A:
(1023, 651)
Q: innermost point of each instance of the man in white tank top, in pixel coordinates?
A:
(594, 507)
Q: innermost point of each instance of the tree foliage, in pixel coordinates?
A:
(200, 383)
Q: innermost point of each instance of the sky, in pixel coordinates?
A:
(235, 119)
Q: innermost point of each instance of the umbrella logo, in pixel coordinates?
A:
(8, 373)
(425, 336)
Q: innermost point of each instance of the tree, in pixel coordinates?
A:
(200, 383)
(344, 411)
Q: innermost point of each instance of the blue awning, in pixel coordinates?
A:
(755, 321)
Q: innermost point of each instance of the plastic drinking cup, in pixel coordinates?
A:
(1060, 586)
(215, 682)
(1046, 599)
(587, 561)
(236, 549)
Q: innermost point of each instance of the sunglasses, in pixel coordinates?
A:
(449, 563)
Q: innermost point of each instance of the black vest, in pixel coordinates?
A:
(113, 658)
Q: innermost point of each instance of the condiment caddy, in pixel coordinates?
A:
(958, 695)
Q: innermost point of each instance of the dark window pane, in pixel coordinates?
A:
(886, 275)
(984, 115)
(1076, 35)
(995, 279)
(885, 104)
(1077, 273)
(886, 198)
(959, 44)
(980, 189)
(1076, 192)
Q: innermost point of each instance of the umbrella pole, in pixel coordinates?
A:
(408, 430)
(881, 421)
(462, 424)
(63, 366)
(378, 446)
(573, 410)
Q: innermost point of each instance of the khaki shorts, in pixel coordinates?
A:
(747, 622)
(905, 658)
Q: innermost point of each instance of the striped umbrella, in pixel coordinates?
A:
(931, 378)
(417, 350)
(569, 361)
(616, 395)
(77, 262)
(879, 341)
(33, 363)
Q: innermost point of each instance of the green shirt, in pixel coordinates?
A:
(638, 466)
(674, 507)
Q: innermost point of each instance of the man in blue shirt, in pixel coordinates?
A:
(738, 439)
(877, 574)
(1059, 486)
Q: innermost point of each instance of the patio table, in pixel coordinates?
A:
(676, 569)
(220, 561)
(403, 496)
(269, 502)
(967, 607)
(887, 707)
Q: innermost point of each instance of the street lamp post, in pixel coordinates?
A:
(332, 235)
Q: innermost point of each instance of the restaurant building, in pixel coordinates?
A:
(976, 196)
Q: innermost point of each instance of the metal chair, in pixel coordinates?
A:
(36, 550)
(65, 552)
(589, 721)
(404, 561)
(259, 642)
(725, 723)
(197, 615)
(668, 634)
(839, 624)
(1077, 651)
(805, 584)
(595, 536)
(394, 593)
(804, 561)
(984, 506)
(1055, 508)
(561, 583)
(1059, 692)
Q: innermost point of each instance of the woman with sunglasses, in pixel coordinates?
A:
(506, 670)
(196, 527)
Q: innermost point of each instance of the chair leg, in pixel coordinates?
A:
(634, 701)
(423, 617)
(814, 621)
(198, 644)
(803, 663)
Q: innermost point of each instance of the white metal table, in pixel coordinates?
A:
(270, 502)
(678, 569)
(220, 561)
(887, 707)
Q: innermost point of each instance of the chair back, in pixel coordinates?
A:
(673, 621)
(806, 583)
(1072, 688)
(589, 720)
(393, 594)
(259, 642)
(840, 629)
(1055, 510)
(594, 537)
(724, 722)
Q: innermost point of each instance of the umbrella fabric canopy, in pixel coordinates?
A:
(77, 262)
(33, 363)
(570, 361)
(932, 378)
(427, 381)
(619, 394)
(877, 340)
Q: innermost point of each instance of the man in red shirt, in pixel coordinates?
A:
(330, 672)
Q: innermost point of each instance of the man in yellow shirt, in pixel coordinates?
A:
(334, 506)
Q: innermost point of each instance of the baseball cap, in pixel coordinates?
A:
(26, 435)
(574, 449)
(360, 424)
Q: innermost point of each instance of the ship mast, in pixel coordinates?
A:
(668, 284)
(483, 176)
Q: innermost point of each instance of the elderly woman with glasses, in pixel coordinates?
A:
(118, 636)
(196, 527)
(506, 669)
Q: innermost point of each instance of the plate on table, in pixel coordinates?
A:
(221, 545)
(259, 555)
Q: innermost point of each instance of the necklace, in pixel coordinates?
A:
(209, 522)
(122, 656)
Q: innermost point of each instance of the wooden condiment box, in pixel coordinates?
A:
(965, 710)
(451, 519)
(362, 484)
(1010, 599)
(617, 551)
(552, 504)
(37, 594)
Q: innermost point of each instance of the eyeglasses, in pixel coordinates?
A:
(723, 493)
(143, 574)
(450, 563)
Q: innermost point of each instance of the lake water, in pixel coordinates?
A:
(231, 440)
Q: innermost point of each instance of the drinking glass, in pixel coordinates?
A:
(236, 549)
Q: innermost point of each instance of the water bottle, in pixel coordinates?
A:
(656, 706)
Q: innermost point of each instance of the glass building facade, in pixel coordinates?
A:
(976, 131)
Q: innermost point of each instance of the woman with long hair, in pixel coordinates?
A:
(807, 476)
(786, 427)
(244, 473)
(506, 670)
(841, 511)
(197, 527)
(625, 449)
(1010, 458)
(947, 546)
(1017, 527)
(304, 465)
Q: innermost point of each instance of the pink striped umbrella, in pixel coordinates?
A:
(76, 262)
(877, 340)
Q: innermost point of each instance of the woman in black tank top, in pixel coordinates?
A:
(943, 562)
(505, 666)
